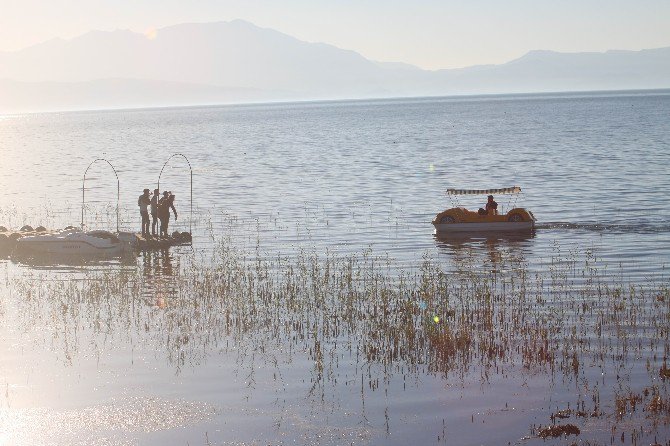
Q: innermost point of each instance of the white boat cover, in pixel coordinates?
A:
(504, 190)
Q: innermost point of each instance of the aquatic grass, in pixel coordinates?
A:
(573, 322)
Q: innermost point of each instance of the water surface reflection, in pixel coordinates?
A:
(485, 250)
(71, 262)
(350, 334)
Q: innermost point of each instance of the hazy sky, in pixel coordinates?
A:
(428, 33)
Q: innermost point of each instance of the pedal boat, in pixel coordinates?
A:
(72, 241)
(459, 219)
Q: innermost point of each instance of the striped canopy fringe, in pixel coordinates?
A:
(504, 190)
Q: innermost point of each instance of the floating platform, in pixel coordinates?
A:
(130, 241)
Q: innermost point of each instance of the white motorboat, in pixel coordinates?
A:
(72, 241)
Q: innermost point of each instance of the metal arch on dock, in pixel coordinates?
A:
(118, 192)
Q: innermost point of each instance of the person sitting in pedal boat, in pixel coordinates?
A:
(491, 206)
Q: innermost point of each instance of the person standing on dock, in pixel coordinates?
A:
(154, 211)
(164, 205)
(143, 202)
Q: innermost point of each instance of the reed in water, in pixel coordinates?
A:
(571, 321)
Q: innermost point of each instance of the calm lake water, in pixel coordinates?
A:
(142, 363)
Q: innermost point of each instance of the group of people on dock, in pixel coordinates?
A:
(160, 210)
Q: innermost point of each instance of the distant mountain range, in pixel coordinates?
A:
(232, 62)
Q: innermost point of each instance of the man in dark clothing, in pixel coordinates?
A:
(154, 211)
(143, 202)
(491, 206)
(164, 205)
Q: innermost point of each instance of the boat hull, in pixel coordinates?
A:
(66, 247)
(504, 226)
(71, 242)
(462, 220)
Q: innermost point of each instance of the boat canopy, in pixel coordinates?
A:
(504, 190)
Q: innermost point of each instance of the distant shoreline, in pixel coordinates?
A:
(316, 101)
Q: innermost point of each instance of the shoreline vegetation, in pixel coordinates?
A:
(573, 323)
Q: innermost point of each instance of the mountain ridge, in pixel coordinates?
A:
(238, 56)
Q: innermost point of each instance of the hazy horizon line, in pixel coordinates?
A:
(465, 96)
